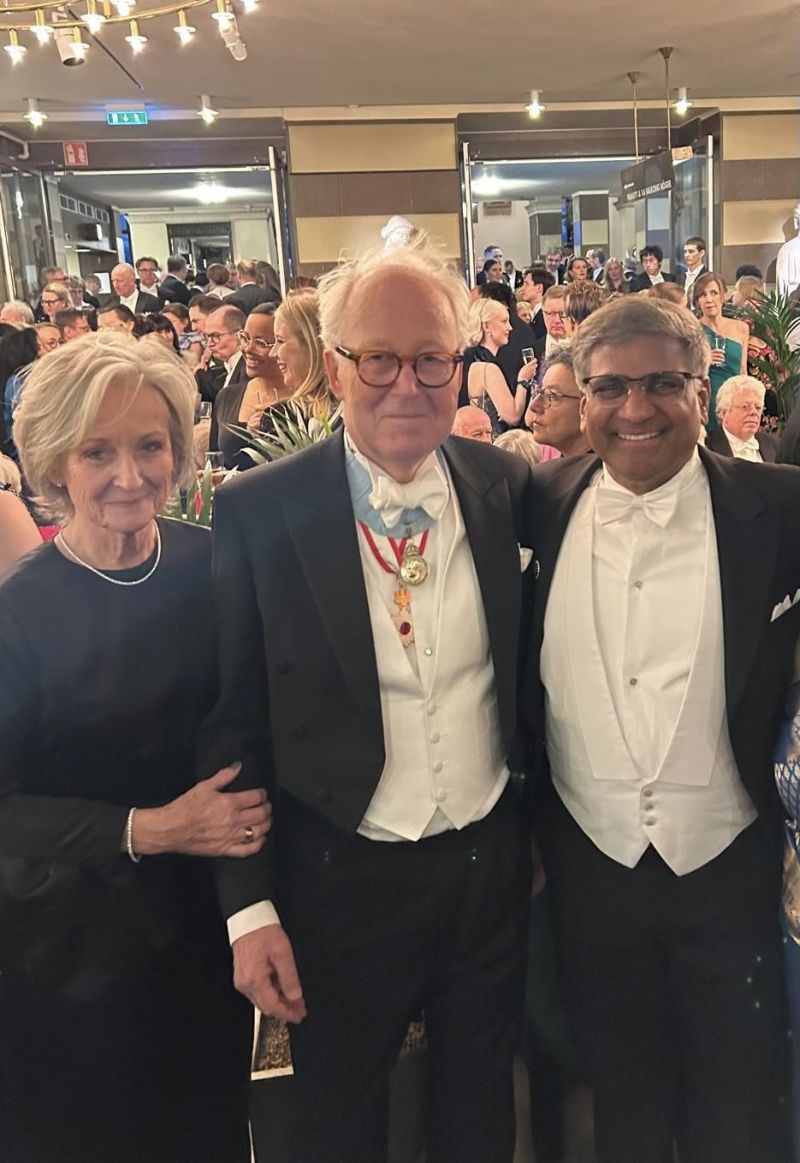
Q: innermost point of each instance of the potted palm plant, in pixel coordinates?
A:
(772, 318)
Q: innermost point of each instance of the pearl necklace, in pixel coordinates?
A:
(115, 581)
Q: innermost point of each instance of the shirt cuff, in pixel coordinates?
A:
(256, 916)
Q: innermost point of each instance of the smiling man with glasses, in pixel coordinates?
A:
(369, 594)
(664, 662)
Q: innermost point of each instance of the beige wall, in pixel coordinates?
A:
(326, 240)
(511, 232)
(760, 186)
(347, 179)
(149, 238)
(367, 148)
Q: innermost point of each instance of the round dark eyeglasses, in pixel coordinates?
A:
(381, 369)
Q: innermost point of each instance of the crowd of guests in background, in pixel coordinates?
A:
(538, 311)
(174, 371)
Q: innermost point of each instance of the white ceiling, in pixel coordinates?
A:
(551, 179)
(315, 53)
(171, 190)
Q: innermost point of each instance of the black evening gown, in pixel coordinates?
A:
(122, 1039)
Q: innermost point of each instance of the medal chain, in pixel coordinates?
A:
(402, 596)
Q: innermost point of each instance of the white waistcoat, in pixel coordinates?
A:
(692, 804)
(444, 760)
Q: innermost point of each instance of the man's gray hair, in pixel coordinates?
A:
(561, 357)
(418, 256)
(727, 392)
(634, 315)
(21, 310)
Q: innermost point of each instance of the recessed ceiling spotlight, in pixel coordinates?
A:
(207, 112)
(534, 108)
(34, 115)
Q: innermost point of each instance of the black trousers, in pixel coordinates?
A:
(381, 931)
(675, 988)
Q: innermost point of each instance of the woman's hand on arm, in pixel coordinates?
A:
(207, 820)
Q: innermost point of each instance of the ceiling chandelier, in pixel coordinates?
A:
(53, 20)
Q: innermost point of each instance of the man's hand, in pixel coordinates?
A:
(265, 972)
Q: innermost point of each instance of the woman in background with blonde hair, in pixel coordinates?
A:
(483, 383)
(18, 533)
(298, 352)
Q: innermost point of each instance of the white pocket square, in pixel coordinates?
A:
(525, 557)
(784, 606)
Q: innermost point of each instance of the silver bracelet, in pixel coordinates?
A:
(129, 837)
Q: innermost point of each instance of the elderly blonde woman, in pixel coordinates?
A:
(122, 1036)
(483, 382)
(740, 407)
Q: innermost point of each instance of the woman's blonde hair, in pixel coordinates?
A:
(300, 313)
(64, 391)
(481, 312)
(10, 475)
(521, 443)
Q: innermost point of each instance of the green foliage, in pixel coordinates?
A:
(771, 318)
(292, 432)
(195, 505)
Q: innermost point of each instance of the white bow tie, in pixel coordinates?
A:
(391, 499)
(738, 445)
(615, 506)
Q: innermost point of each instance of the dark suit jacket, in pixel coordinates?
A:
(518, 276)
(717, 441)
(641, 282)
(172, 290)
(789, 450)
(757, 518)
(250, 296)
(509, 357)
(681, 278)
(145, 304)
(300, 700)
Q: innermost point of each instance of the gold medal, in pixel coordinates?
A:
(413, 568)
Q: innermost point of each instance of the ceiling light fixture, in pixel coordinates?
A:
(135, 38)
(124, 7)
(41, 29)
(534, 108)
(14, 49)
(210, 193)
(93, 19)
(683, 104)
(249, 6)
(487, 185)
(223, 16)
(184, 29)
(34, 115)
(207, 112)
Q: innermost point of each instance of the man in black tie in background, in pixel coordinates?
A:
(368, 599)
(663, 639)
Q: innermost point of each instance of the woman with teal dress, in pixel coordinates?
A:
(727, 338)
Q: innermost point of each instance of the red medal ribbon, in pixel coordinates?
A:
(398, 547)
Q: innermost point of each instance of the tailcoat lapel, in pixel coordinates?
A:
(748, 537)
(322, 527)
(485, 502)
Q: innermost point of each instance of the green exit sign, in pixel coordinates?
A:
(126, 117)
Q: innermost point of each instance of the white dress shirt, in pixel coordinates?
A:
(634, 673)
(691, 278)
(131, 300)
(787, 267)
(230, 366)
(444, 766)
(744, 449)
